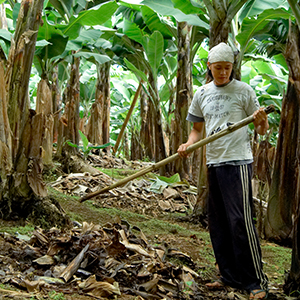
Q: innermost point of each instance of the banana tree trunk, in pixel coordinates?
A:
(183, 99)
(22, 121)
(97, 130)
(283, 206)
(103, 88)
(94, 127)
(24, 194)
(5, 136)
(146, 136)
(72, 108)
(56, 103)
(135, 145)
(44, 106)
(160, 147)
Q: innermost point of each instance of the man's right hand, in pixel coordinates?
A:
(182, 150)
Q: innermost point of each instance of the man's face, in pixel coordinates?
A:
(221, 72)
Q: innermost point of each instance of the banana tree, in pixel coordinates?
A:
(274, 43)
(22, 189)
(150, 12)
(147, 59)
(23, 192)
(282, 220)
(65, 41)
(286, 166)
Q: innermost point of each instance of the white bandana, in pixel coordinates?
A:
(221, 52)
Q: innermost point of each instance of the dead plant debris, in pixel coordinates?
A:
(113, 261)
(101, 262)
(135, 196)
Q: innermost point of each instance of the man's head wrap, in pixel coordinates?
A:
(221, 52)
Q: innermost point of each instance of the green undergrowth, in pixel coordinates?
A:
(15, 230)
(277, 261)
(119, 174)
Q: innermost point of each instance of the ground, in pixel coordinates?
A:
(159, 221)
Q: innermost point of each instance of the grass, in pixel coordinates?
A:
(27, 229)
(56, 296)
(6, 287)
(277, 261)
(117, 173)
(123, 173)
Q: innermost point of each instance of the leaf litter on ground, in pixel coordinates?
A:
(110, 261)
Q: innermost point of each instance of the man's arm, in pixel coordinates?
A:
(194, 137)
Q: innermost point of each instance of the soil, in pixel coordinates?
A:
(195, 252)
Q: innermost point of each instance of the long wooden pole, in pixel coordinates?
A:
(175, 156)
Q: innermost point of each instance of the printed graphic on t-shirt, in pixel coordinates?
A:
(215, 108)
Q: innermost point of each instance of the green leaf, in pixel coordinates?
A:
(170, 180)
(72, 45)
(155, 51)
(93, 57)
(171, 62)
(158, 186)
(42, 43)
(55, 47)
(56, 41)
(122, 89)
(62, 6)
(263, 67)
(166, 8)
(6, 35)
(88, 35)
(164, 93)
(133, 31)
(154, 22)
(251, 26)
(100, 147)
(97, 15)
(161, 182)
(280, 60)
(256, 7)
(106, 32)
(71, 144)
(139, 74)
(84, 139)
(131, 4)
(188, 6)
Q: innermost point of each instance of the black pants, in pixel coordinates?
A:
(233, 234)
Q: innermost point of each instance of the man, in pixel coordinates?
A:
(229, 159)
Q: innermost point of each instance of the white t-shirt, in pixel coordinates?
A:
(220, 107)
